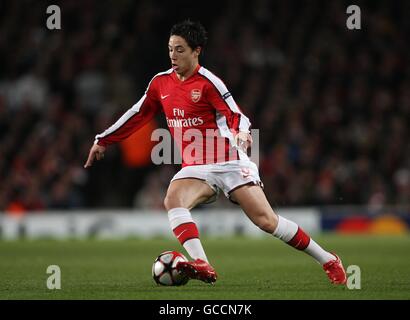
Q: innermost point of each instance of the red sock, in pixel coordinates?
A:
(186, 231)
(300, 240)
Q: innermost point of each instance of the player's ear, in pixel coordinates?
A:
(197, 51)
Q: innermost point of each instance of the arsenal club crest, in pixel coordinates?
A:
(195, 95)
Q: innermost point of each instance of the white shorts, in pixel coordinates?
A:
(225, 176)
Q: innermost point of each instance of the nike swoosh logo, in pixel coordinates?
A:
(163, 97)
(181, 233)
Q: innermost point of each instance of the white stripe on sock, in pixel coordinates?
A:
(194, 249)
(179, 216)
(286, 229)
(317, 252)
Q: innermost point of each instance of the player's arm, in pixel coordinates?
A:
(133, 119)
(239, 124)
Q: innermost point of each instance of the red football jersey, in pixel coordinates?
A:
(201, 114)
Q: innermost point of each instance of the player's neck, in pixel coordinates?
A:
(189, 73)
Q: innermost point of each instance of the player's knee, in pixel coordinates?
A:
(267, 222)
(173, 201)
(168, 202)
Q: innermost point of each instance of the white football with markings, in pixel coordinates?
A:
(164, 270)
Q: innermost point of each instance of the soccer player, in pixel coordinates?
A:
(193, 98)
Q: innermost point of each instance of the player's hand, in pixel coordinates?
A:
(243, 140)
(96, 151)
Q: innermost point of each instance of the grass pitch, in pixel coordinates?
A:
(247, 268)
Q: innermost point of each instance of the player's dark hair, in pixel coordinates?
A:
(193, 32)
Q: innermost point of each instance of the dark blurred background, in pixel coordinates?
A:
(332, 104)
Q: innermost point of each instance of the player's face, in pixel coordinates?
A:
(183, 58)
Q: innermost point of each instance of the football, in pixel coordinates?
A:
(164, 269)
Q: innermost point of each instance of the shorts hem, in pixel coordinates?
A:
(255, 183)
(214, 189)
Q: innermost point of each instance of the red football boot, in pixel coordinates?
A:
(198, 269)
(335, 271)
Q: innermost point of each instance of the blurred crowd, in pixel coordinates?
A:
(332, 104)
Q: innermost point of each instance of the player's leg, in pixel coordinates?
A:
(187, 193)
(253, 201)
(183, 195)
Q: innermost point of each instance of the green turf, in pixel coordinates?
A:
(248, 269)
